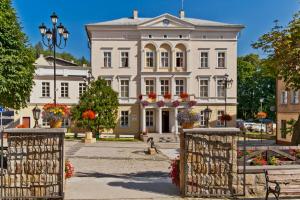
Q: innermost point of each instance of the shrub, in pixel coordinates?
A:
(175, 171)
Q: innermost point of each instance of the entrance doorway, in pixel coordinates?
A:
(165, 122)
(26, 122)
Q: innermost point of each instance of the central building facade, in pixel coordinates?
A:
(166, 56)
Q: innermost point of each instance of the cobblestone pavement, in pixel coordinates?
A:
(118, 170)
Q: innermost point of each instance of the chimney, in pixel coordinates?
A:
(135, 14)
(181, 14)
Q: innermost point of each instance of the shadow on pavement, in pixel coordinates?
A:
(152, 174)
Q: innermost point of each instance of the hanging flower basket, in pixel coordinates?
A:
(55, 123)
(160, 103)
(167, 96)
(192, 103)
(55, 114)
(151, 97)
(140, 97)
(187, 118)
(184, 96)
(226, 117)
(89, 114)
(188, 125)
(175, 104)
(145, 103)
(261, 115)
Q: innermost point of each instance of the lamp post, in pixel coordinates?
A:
(227, 84)
(53, 37)
(207, 114)
(89, 78)
(261, 100)
(36, 116)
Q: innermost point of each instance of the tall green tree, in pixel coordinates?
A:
(254, 82)
(282, 46)
(101, 99)
(16, 60)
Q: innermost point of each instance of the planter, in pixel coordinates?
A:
(143, 137)
(150, 100)
(184, 99)
(55, 123)
(188, 125)
(167, 100)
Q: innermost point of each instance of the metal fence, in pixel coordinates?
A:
(210, 163)
(32, 164)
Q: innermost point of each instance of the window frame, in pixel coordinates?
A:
(295, 97)
(122, 86)
(283, 132)
(217, 88)
(81, 88)
(202, 119)
(225, 59)
(64, 90)
(148, 86)
(149, 118)
(163, 87)
(107, 60)
(203, 86)
(183, 86)
(165, 58)
(46, 89)
(151, 58)
(206, 59)
(219, 121)
(284, 98)
(121, 59)
(181, 59)
(122, 117)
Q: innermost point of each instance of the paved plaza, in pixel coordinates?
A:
(118, 170)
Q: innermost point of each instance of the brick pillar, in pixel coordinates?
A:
(181, 169)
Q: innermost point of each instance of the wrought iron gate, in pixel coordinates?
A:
(210, 163)
(32, 164)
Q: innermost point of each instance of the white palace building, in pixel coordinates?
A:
(165, 55)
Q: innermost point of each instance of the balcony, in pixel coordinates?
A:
(174, 101)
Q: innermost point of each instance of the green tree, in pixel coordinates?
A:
(254, 82)
(16, 60)
(282, 46)
(101, 99)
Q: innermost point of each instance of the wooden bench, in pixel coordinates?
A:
(103, 136)
(282, 182)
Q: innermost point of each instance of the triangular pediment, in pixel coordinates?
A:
(166, 21)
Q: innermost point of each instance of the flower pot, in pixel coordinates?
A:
(150, 100)
(167, 100)
(188, 125)
(55, 123)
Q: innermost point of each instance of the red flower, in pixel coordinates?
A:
(140, 97)
(184, 95)
(167, 96)
(152, 95)
(89, 114)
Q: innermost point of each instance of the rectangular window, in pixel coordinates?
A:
(164, 59)
(124, 121)
(202, 120)
(179, 59)
(45, 89)
(180, 87)
(124, 59)
(107, 59)
(150, 59)
(64, 90)
(164, 87)
(204, 87)
(149, 118)
(219, 121)
(283, 129)
(283, 98)
(108, 82)
(149, 84)
(125, 88)
(45, 123)
(221, 59)
(295, 97)
(220, 88)
(204, 59)
(82, 88)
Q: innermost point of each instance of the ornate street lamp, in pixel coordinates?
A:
(227, 84)
(89, 78)
(52, 38)
(36, 116)
(207, 114)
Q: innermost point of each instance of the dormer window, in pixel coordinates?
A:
(165, 36)
(180, 36)
(150, 36)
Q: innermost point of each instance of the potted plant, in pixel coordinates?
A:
(145, 103)
(160, 103)
(167, 97)
(175, 173)
(187, 118)
(69, 169)
(175, 104)
(55, 114)
(151, 96)
(184, 96)
(144, 135)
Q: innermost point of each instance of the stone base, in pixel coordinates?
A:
(89, 141)
(143, 137)
(151, 151)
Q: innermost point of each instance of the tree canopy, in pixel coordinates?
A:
(255, 81)
(39, 49)
(16, 60)
(103, 101)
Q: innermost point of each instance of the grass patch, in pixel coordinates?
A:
(257, 135)
(118, 139)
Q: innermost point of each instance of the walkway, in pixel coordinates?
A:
(118, 170)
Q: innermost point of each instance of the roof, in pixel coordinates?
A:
(129, 21)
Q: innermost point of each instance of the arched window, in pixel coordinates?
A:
(165, 55)
(180, 52)
(150, 55)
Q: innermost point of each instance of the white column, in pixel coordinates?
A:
(157, 63)
(188, 60)
(143, 119)
(176, 122)
(143, 90)
(142, 59)
(188, 85)
(173, 85)
(173, 63)
(157, 85)
(159, 120)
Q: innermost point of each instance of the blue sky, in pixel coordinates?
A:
(256, 15)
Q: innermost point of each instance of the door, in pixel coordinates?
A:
(165, 122)
(26, 122)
